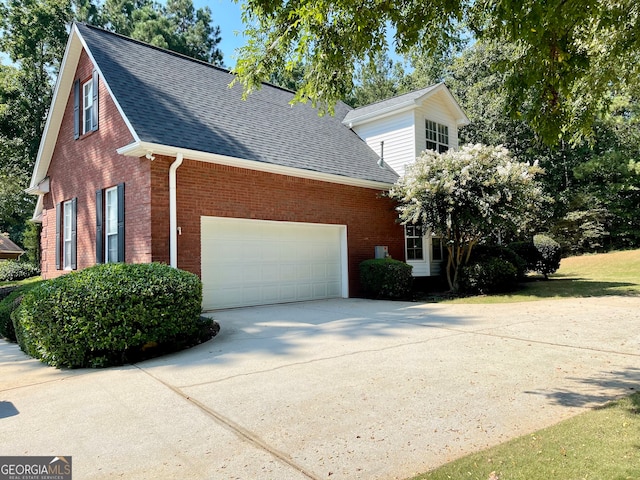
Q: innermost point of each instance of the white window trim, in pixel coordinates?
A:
(406, 246)
(440, 135)
(110, 223)
(87, 105)
(67, 223)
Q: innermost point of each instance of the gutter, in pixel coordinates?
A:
(173, 211)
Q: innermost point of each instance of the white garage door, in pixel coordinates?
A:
(256, 262)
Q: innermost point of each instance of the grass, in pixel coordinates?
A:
(614, 273)
(9, 286)
(600, 444)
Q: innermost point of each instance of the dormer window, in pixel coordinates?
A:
(437, 136)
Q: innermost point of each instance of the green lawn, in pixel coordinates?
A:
(601, 444)
(615, 273)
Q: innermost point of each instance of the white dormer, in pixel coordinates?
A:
(399, 130)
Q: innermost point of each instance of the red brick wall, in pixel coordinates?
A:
(217, 190)
(80, 167)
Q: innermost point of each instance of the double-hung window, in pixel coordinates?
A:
(66, 235)
(437, 136)
(110, 224)
(85, 105)
(414, 242)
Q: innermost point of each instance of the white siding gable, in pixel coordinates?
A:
(437, 109)
(404, 132)
(398, 134)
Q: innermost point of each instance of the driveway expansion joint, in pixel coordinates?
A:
(237, 429)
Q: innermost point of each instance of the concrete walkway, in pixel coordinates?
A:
(340, 389)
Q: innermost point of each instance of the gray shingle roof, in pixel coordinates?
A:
(173, 100)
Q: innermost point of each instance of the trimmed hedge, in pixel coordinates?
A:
(8, 304)
(550, 254)
(13, 270)
(386, 278)
(488, 275)
(109, 314)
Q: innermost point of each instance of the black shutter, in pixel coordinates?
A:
(121, 222)
(76, 109)
(94, 110)
(74, 234)
(58, 229)
(99, 229)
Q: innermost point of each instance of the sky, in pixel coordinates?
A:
(227, 15)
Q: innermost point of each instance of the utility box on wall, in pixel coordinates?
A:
(382, 251)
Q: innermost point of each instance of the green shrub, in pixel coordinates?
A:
(528, 252)
(109, 314)
(488, 275)
(484, 252)
(12, 270)
(386, 278)
(549, 252)
(8, 305)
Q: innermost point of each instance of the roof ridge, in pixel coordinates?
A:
(173, 53)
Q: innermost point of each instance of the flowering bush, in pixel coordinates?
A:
(465, 195)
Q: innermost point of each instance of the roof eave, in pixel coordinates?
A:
(392, 110)
(64, 82)
(141, 149)
(461, 117)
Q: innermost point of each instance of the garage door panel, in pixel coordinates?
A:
(254, 262)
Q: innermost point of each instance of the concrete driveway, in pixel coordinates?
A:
(338, 389)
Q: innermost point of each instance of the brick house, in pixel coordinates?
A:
(148, 155)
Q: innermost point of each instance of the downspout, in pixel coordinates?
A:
(173, 211)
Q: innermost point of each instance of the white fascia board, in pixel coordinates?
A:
(64, 84)
(56, 110)
(140, 149)
(106, 84)
(398, 108)
(461, 117)
(37, 212)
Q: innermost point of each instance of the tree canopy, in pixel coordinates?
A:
(568, 54)
(177, 26)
